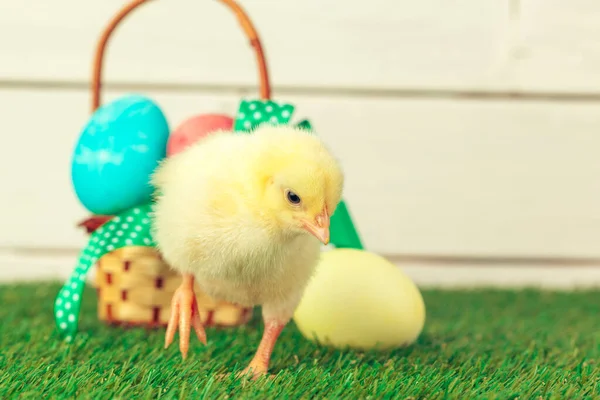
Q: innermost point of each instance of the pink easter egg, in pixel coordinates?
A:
(194, 129)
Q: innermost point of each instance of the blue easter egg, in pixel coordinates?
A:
(116, 153)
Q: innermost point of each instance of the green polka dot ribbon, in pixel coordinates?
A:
(305, 124)
(252, 113)
(129, 228)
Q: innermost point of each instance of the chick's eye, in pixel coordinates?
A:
(293, 198)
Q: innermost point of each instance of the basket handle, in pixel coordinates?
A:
(244, 20)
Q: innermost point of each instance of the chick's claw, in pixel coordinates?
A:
(254, 373)
(185, 314)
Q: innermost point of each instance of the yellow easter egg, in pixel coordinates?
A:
(361, 300)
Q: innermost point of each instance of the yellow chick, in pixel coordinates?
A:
(245, 215)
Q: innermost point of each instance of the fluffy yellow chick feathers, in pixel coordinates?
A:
(226, 212)
(244, 215)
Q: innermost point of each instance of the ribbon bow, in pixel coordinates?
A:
(129, 228)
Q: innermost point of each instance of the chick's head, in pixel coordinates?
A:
(303, 181)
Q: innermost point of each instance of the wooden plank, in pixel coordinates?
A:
(423, 177)
(556, 46)
(548, 46)
(377, 44)
(36, 267)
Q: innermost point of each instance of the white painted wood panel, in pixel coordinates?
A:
(557, 46)
(28, 266)
(324, 43)
(433, 177)
(541, 45)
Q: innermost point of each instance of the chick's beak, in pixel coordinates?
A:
(319, 228)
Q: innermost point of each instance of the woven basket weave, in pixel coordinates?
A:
(134, 284)
(135, 287)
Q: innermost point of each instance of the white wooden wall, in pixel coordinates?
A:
(467, 128)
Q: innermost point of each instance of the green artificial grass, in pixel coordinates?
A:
(476, 344)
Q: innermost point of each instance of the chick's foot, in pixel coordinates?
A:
(185, 313)
(259, 366)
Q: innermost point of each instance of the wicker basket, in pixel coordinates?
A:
(135, 287)
(134, 284)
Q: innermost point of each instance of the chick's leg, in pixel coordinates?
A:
(275, 317)
(184, 312)
(259, 365)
